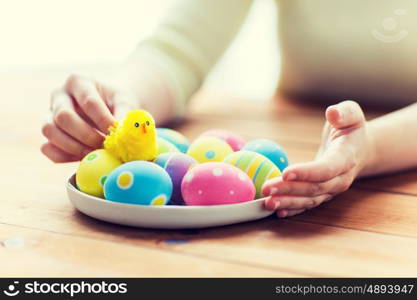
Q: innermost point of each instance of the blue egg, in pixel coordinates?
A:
(138, 182)
(272, 150)
(174, 137)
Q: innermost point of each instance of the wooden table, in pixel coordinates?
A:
(370, 230)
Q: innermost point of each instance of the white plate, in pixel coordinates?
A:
(166, 217)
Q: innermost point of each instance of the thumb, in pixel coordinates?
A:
(345, 114)
(123, 102)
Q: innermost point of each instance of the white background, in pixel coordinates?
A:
(50, 34)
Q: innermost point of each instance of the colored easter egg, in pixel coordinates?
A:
(256, 166)
(269, 149)
(164, 146)
(138, 182)
(235, 141)
(176, 165)
(209, 149)
(93, 170)
(174, 137)
(216, 183)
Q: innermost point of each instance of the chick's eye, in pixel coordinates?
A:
(136, 124)
(147, 123)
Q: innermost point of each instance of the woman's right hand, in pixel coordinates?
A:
(81, 113)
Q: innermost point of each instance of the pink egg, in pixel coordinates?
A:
(235, 141)
(216, 183)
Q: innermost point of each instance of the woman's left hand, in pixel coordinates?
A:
(344, 151)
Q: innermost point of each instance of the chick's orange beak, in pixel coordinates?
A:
(144, 128)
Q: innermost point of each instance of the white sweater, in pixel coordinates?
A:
(364, 50)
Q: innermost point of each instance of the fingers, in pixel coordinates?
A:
(277, 187)
(345, 114)
(85, 93)
(289, 213)
(295, 202)
(283, 213)
(61, 140)
(65, 117)
(328, 166)
(270, 203)
(306, 185)
(57, 155)
(290, 206)
(299, 196)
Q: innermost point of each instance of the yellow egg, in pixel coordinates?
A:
(209, 149)
(164, 146)
(93, 170)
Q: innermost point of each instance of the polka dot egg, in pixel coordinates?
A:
(174, 137)
(164, 146)
(93, 170)
(138, 182)
(269, 149)
(209, 149)
(256, 166)
(176, 165)
(235, 142)
(216, 183)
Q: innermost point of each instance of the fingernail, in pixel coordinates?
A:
(310, 204)
(269, 204)
(276, 204)
(282, 213)
(341, 116)
(273, 191)
(291, 176)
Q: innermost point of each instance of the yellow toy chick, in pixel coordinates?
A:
(134, 138)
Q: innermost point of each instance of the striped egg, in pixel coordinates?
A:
(270, 149)
(174, 137)
(256, 166)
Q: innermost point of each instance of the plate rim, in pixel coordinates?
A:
(72, 187)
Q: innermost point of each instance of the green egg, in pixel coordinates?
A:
(164, 146)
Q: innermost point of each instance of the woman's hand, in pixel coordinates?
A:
(344, 151)
(81, 113)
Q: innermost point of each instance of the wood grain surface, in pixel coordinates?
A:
(370, 230)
